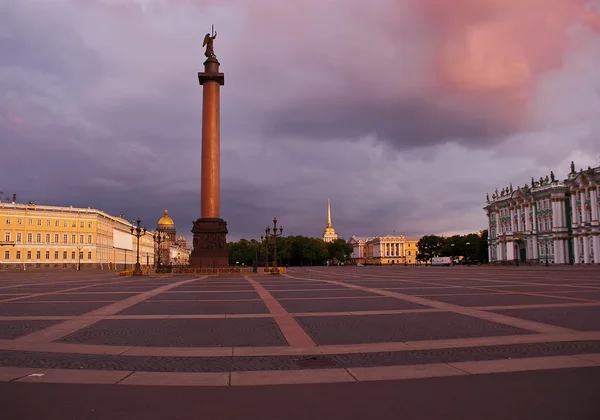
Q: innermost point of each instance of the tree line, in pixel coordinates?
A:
(471, 247)
(291, 251)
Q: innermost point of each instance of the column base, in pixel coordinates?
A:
(210, 238)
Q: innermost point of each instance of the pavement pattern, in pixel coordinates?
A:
(311, 327)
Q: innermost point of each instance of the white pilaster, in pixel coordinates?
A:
(586, 249)
(574, 212)
(584, 214)
(596, 248)
(594, 203)
(576, 244)
(511, 224)
(510, 251)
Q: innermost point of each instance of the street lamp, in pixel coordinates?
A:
(452, 252)
(546, 244)
(159, 238)
(78, 258)
(468, 259)
(274, 235)
(266, 238)
(138, 232)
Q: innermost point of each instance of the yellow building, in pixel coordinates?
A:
(33, 236)
(384, 250)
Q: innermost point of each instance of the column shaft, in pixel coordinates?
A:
(211, 151)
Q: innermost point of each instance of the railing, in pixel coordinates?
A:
(145, 272)
(228, 270)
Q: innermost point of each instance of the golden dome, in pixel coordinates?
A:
(166, 220)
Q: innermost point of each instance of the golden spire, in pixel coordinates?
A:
(328, 213)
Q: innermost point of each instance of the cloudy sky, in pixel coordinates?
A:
(403, 112)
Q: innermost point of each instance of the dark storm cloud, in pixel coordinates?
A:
(404, 124)
(100, 106)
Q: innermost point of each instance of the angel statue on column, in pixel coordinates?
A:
(208, 43)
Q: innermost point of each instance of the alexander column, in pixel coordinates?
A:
(210, 230)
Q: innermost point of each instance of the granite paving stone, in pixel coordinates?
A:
(189, 308)
(46, 308)
(257, 363)
(80, 297)
(361, 329)
(321, 293)
(205, 296)
(348, 305)
(497, 300)
(181, 333)
(578, 318)
(15, 329)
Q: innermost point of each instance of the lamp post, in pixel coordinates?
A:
(138, 232)
(468, 244)
(266, 238)
(546, 244)
(159, 238)
(78, 258)
(274, 235)
(452, 252)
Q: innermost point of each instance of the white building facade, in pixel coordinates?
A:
(548, 221)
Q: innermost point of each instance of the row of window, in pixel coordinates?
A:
(38, 255)
(544, 224)
(47, 237)
(66, 223)
(387, 254)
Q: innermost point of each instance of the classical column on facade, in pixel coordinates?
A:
(534, 236)
(595, 222)
(584, 214)
(586, 248)
(576, 248)
(574, 210)
(210, 230)
(556, 232)
(575, 225)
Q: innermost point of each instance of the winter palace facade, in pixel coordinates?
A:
(548, 221)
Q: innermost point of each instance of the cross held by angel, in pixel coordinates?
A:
(208, 43)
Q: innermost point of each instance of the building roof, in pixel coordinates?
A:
(166, 220)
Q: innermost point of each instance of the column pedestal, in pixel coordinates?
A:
(209, 244)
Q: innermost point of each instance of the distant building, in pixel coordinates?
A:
(329, 235)
(179, 254)
(166, 226)
(37, 236)
(549, 220)
(384, 250)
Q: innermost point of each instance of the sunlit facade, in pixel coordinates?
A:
(34, 236)
(384, 250)
(547, 221)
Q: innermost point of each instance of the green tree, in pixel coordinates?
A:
(429, 246)
(339, 250)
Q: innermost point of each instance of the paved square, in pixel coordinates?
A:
(315, 324)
